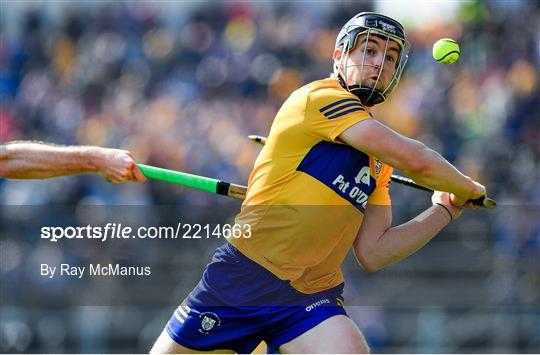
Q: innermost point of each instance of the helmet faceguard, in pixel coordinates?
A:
(370, 24)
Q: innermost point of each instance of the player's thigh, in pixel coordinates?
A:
(165, 345)
(337, 334)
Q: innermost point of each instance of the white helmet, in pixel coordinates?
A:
(371, 23)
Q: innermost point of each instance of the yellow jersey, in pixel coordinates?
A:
(308, 191)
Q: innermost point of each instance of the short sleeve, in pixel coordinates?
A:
(331, 111)
(381, 195)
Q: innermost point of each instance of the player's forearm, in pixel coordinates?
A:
(401, 241)
(40, 161)
(438, 174)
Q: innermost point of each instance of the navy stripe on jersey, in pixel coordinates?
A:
(354, 104)
(343, 169)
(339, 105)
(346, 112)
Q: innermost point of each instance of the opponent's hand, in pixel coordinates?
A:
(479, 190)
(445, 198)
(116, 165)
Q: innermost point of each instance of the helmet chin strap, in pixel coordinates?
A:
(368, 96)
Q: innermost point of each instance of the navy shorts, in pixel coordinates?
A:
(238, 303)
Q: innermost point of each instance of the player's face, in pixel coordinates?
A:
(372, 61)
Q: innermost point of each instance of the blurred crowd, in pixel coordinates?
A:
(184, 93)
(182, 86)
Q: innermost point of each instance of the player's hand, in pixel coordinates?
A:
(478, 191)
(116, 165)
(445, 198)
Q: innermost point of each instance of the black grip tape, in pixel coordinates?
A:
(222, 188)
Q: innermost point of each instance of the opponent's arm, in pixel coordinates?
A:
(30, 160)
(378, 245)
(422, 164)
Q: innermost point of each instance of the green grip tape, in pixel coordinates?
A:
(176, 177)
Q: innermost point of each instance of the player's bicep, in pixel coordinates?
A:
(375, 139)
(377, 220)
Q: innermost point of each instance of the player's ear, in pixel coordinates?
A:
(337, 54)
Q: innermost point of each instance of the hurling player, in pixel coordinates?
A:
(319, 188)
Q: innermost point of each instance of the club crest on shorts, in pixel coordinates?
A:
(209, 321)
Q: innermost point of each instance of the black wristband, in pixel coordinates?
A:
(447, 210)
